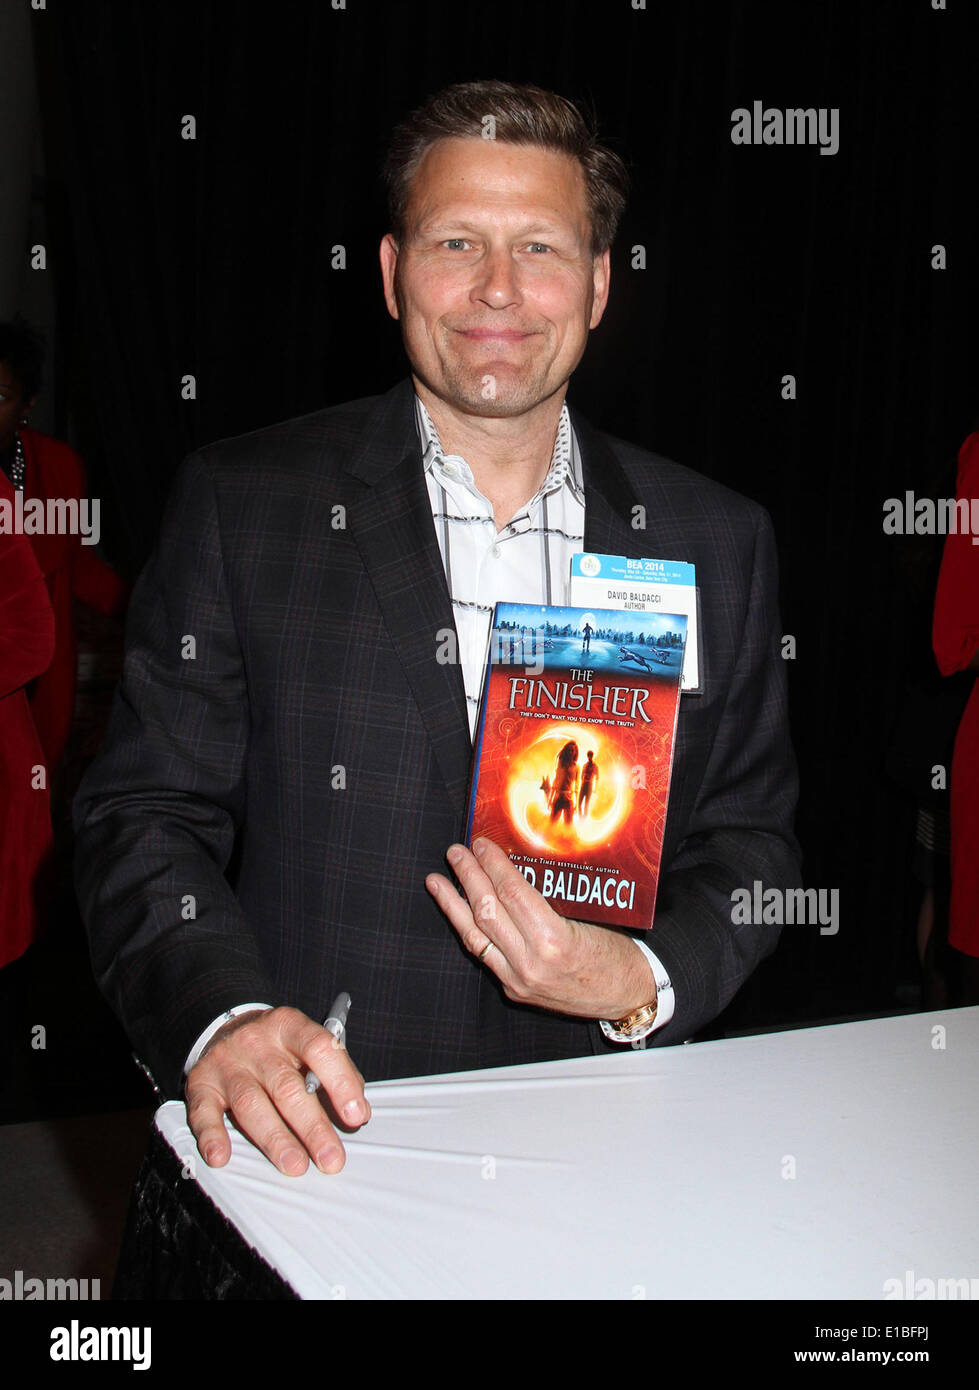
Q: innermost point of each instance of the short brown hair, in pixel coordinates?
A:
(523, 115)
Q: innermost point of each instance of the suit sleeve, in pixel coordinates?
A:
(740, 831)
(157, 813)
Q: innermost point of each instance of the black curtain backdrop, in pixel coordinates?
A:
(212, 257)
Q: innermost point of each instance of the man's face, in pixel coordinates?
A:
(494, 284)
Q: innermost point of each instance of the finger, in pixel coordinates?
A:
(285, 1086)
(330, 1062)
(494, 954)
(205, 1116)
(476, 918)
(359, 1075)
(523, 908)
(258, 1118)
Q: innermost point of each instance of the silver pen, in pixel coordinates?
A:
(335, 1023)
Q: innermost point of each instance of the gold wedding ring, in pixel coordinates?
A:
(484, 950)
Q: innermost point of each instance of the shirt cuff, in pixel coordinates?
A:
(665, 998)
(212, 1028)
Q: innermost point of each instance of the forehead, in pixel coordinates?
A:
(473, 178)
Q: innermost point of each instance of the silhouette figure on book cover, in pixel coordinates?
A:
(564, 791)
(589, 776)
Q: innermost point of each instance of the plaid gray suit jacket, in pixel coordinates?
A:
(273, 640)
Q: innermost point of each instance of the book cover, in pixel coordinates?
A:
(573, 753)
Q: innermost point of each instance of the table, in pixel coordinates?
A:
(818, 1163)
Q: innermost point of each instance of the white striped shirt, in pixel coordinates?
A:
(529, 561)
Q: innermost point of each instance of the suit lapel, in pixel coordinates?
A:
(617, 521)
(391, 524)
(609, 497)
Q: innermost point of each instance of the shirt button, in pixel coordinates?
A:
(496, 552)
(452, 469)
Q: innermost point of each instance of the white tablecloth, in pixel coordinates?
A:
(817, 1163)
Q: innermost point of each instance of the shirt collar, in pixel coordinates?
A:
(565, 459)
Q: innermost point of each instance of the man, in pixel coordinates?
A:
(589, 777)
(289, 753)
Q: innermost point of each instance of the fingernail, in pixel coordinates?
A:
(210, 1154)
(327, 1157)
(478, 846)
(454, 854)
(352, 1110)
(291, 1158)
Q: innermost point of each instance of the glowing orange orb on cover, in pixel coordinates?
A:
(535, 768)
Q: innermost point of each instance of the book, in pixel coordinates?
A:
(573, 753)
(638, 586)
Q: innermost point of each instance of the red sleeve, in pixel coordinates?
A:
(26, 617)
(955, 627)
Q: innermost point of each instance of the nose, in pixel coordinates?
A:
(497, 281)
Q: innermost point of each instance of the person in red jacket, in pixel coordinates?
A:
(26, 648)
(43, 467)
(955, 638)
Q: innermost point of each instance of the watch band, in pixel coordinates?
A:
(634, 1026)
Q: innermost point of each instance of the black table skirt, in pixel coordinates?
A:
(178, 1245)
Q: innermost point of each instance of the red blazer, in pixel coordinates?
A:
(71, 570)
(26, 648)
(955, 637)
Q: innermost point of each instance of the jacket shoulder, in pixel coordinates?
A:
(296, 445)
(683, 487)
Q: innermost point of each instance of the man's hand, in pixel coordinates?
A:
(254, 1068)
(539, 957)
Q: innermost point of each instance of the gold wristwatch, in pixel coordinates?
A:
(634, 1026)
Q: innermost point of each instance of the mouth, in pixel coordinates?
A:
(494, 335)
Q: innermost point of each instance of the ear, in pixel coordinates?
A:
(389, 266)
(601, 271)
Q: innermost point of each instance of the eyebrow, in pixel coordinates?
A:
(535, 229)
